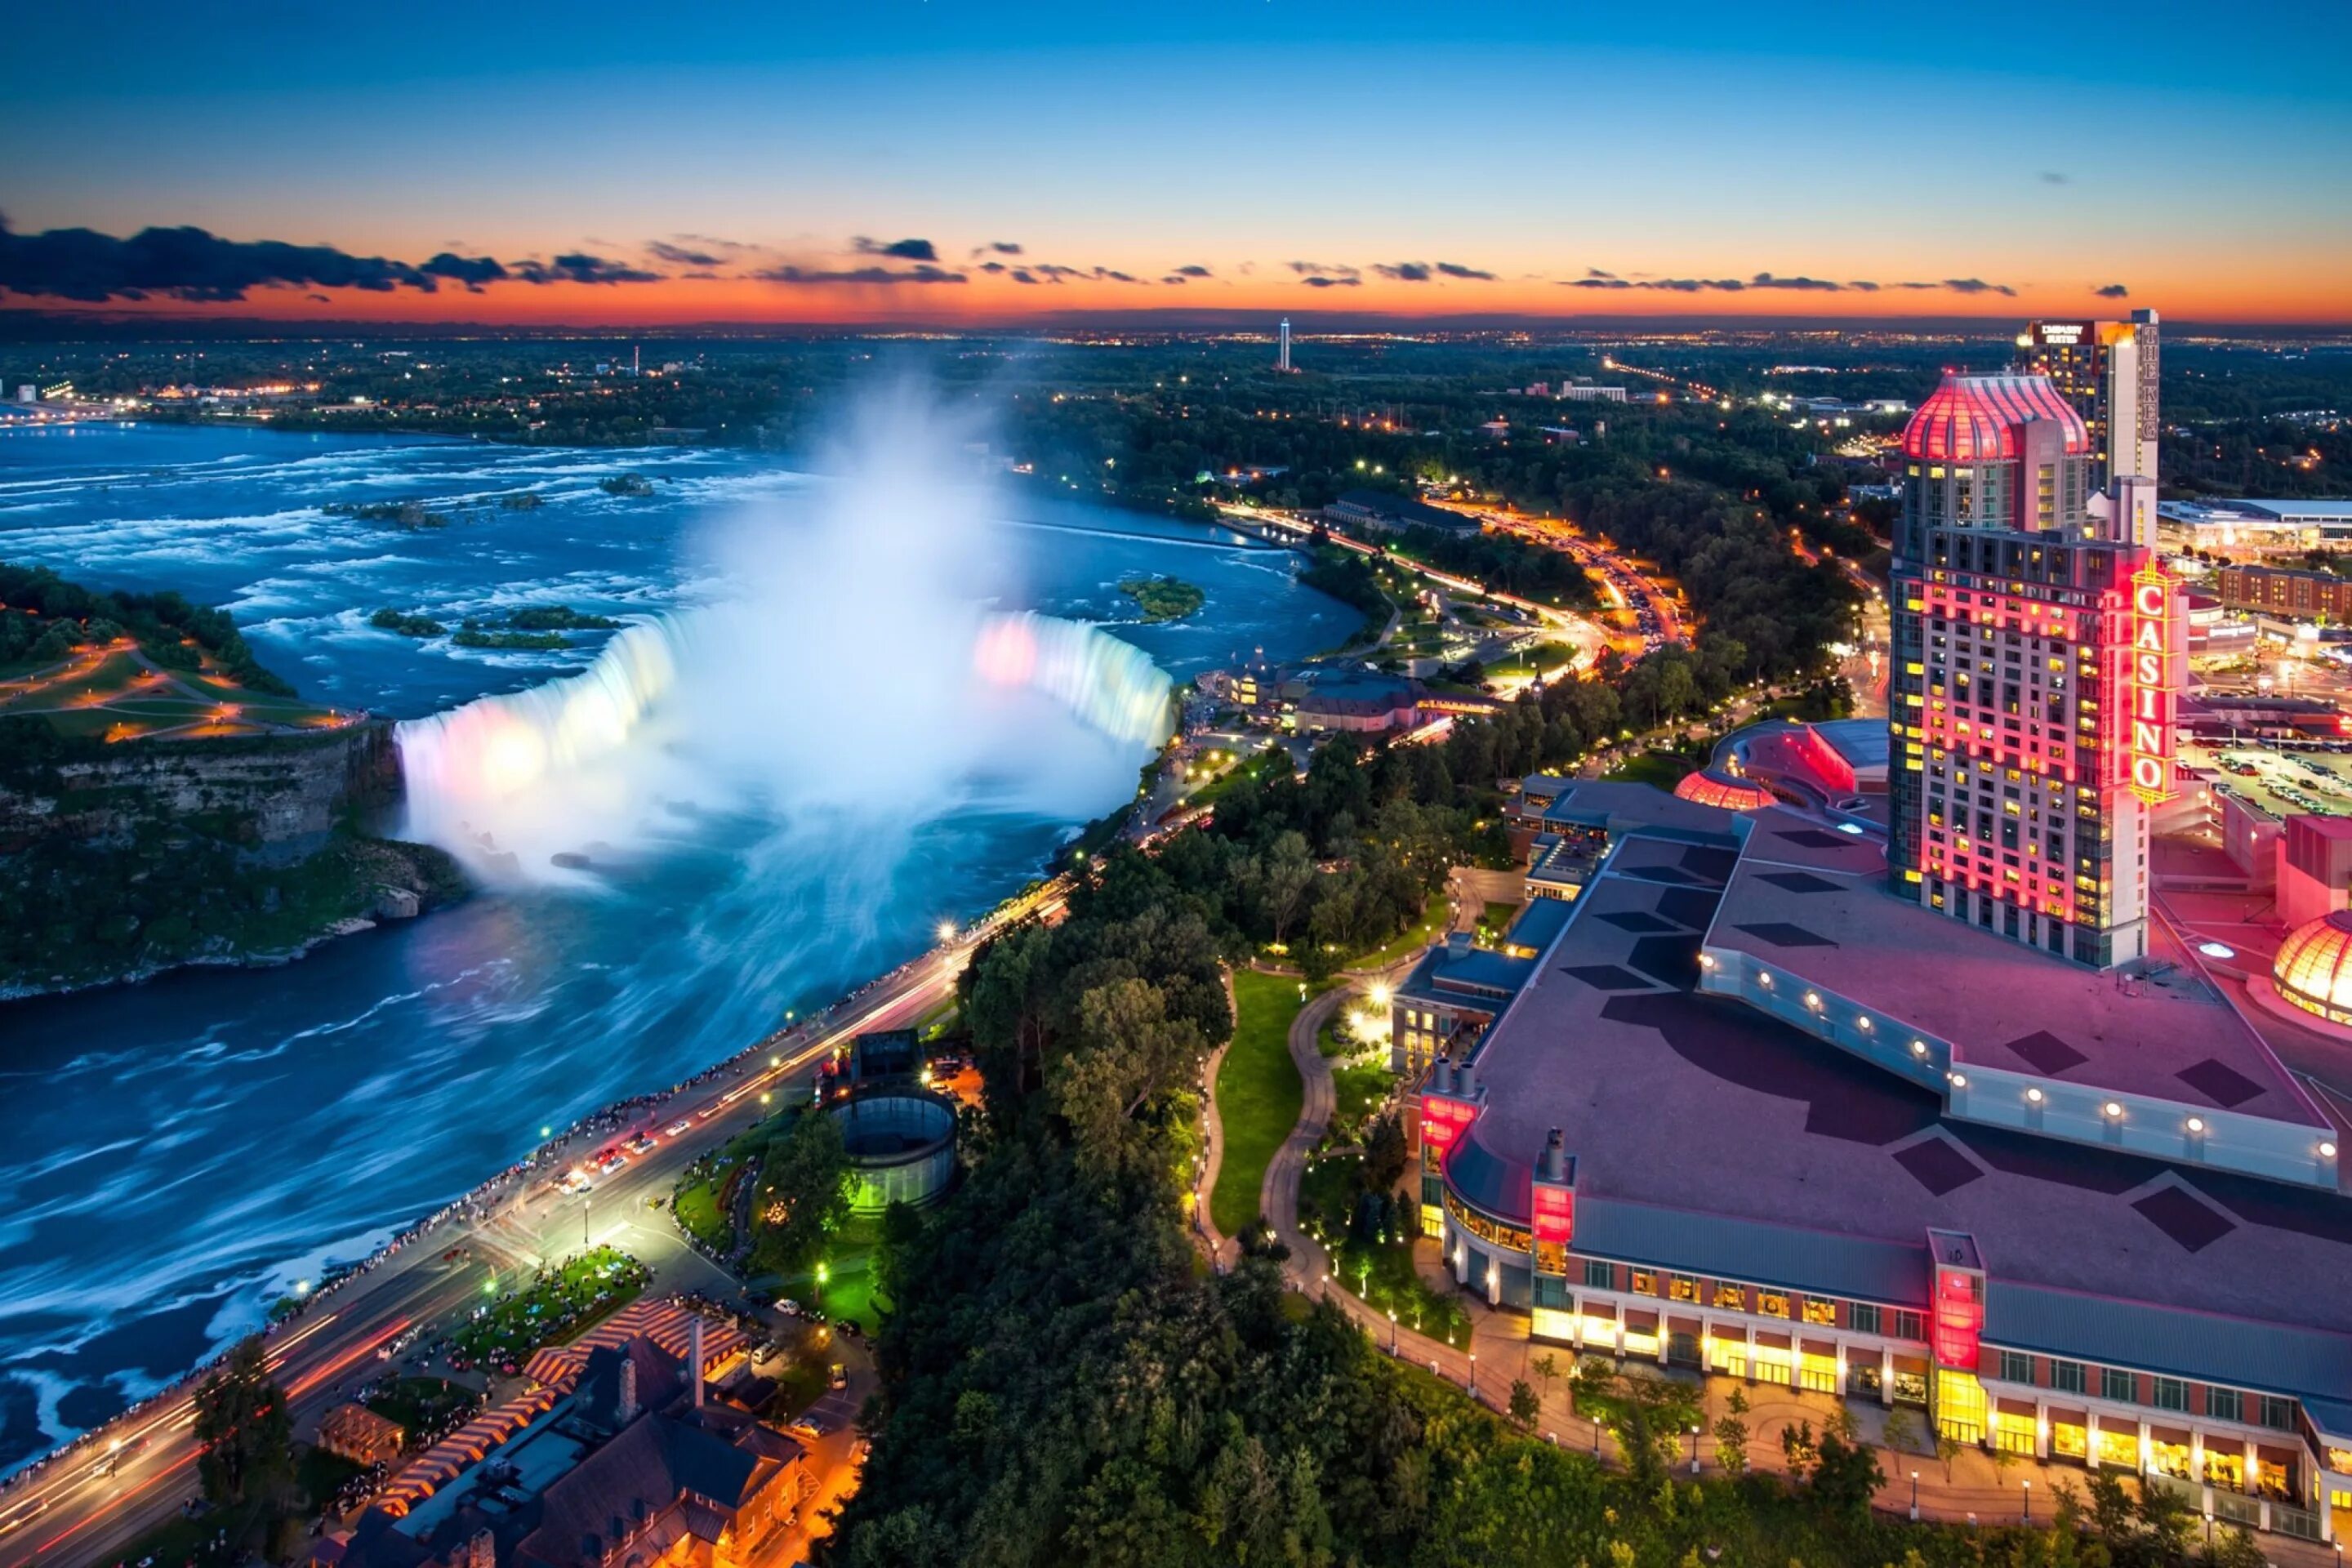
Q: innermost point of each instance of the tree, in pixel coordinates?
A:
(1525, 1407)
(1647, 1415)
(805, 1190)
(1947, 1449)
(242, 1427)
(1902, 1431)
(1731, 1436)
(1287, 871)
(1798, 1447)
(1845, 1476)
(1546, 1369)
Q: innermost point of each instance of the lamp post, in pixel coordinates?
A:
(1914, 1497)
(822, 1273)
(1473, 1390)
(1392, 1333)
(2025, 1501)
(1693, 1438)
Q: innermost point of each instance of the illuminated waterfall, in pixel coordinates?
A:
(563, 758)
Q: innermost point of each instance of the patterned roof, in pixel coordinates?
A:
(1974, 419)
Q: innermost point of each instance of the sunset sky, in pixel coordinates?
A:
(963, 163)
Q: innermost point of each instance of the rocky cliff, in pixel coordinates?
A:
(117, 862)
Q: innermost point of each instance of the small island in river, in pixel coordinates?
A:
(1163, 598)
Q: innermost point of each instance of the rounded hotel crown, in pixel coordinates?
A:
(1714, 787)
(1974, 419)
(2314, 967)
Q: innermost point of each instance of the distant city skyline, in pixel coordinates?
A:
(918, 163)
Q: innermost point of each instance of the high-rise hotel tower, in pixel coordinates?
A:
(2108, 371)
(2037, 649)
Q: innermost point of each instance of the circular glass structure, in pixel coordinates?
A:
(1717, 786)
(2313, 968)
(901, 1144)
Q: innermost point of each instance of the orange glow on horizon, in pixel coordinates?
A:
(2283, 297)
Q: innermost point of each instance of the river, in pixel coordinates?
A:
(182, 1151)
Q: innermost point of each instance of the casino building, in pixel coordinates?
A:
(2036, 652)
(1749, 1109)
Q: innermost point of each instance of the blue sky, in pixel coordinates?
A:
(2198, 159)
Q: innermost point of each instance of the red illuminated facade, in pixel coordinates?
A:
(1444, 1121)
(2035, 659)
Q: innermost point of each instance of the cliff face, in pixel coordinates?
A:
(277, 797)
(119, 862)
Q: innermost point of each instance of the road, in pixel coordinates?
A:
(75, 1511)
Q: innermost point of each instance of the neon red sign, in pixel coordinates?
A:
(1555, 1214)
(1957, 1321)
(1444, 1121)
(2151, 685)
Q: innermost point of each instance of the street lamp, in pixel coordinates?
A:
(1914, 1497)
(1472, 1389)
(822, 1274)
(1392, 1332)
(2025, 1502)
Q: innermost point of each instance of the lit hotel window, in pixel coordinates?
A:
(1682, 1288)
(1731, 1297)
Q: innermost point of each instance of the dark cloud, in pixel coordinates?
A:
(682, 255)
(1316, 280)
(882, 275)
(1004, 247)
(2112, 292)
(1594, 277)
(993, 267)
(904, 250)
(1455, 270)
(1403, 271)
(1328, 270)
(1195, 270)
(1023, 275)
(1177, 279)
(581, 267)
(473, 271)
(184, 263)
(2052, 177)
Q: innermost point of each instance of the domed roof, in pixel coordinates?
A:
(1714, 787)
(2314, 967)
(1974, 419)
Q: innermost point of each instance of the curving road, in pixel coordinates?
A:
(85, 1505)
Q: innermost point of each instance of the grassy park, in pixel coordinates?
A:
(1259, 1094)
(557, 1304)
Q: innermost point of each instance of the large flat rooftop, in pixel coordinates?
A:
(1706, 1129)
(1817, 902)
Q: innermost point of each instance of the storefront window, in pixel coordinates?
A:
(2068, 1441)
(2119, 1448)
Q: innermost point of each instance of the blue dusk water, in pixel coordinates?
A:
(181, 1151)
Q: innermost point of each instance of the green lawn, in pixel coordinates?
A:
(848, 1290)
(695, 1207)
(1258, 1094)
(1419, 934)
(1663, 769)
(553, 1307)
